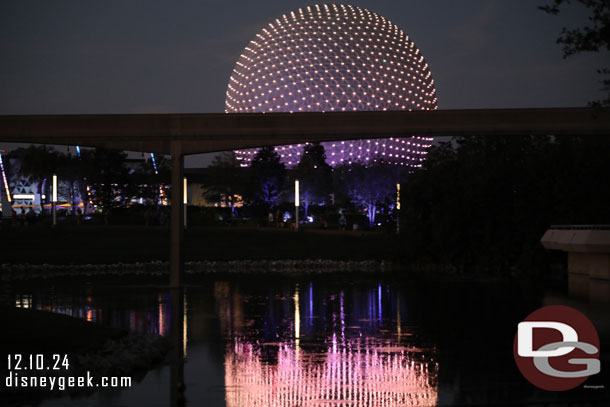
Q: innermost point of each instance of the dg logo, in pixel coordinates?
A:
(556, 348)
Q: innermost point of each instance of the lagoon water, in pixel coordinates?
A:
(322, 341)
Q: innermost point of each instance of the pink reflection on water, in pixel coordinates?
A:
(364, 372)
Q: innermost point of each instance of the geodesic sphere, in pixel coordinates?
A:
(334, 58)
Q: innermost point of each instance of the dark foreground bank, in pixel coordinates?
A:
(48, 348)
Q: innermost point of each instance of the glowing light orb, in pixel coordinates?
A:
(328, 58)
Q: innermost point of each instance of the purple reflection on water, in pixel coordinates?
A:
(379, 304)
(342, 360)
(310, 316)
(360, 372)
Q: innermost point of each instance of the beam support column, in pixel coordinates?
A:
(176, 272)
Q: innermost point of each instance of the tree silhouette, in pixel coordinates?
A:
(226, 180)
(108, 177)
(146, 183)
(38, 163)
(593, 38)
(314, 175)
(368, 187)
(484, 202)
(268, 174)
(72, 172)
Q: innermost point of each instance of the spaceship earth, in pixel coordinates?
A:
(327, 58)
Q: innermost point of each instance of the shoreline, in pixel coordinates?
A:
(16, 272)
(247, 268)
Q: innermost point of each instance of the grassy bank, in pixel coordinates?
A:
(112, 244)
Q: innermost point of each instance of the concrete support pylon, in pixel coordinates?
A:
(176, 273)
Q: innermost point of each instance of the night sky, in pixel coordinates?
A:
(73, 57)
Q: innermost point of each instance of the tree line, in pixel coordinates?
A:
(361, 189)
(486, 201)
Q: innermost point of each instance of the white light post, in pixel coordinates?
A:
(184, 199)
(397, 209)
(54, 200)
(296, 203)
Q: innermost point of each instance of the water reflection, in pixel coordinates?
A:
(177, 351)
(319, 342)
(364, 373)
(336, 359)
(144, 313)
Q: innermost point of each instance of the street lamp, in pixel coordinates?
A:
(397, 209)
(296, 203)
(184, 199)
(54, 200)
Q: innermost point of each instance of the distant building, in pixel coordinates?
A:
(22, 192)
